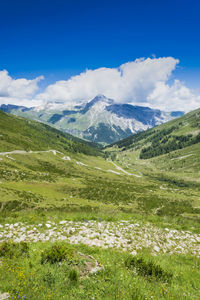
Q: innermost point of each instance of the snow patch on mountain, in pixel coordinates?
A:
(99, 120)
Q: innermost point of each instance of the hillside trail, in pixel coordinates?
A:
(67, 158)
(28, 152)
(125, 172)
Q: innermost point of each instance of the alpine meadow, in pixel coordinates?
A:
(99, 150)
(79, 222)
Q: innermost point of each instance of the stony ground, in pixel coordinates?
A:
(124, 235)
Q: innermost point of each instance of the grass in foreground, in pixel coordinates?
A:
(31, 276)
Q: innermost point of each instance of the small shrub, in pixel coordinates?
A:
(10, 249)
(73, 275)
(57, 253)
(30, 264)
(49, 278)
(147, 268)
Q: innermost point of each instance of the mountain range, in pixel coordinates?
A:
(100, 120)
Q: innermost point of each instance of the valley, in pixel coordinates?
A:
(134, 220)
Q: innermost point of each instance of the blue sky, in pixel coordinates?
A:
(64, 37)
(61, 38)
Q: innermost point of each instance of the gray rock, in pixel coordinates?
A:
(4, 296)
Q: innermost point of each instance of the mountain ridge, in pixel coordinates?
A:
(100, 120)
(166, 138)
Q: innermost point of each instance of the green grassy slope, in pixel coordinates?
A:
(17, 133)
(71, 180)
(175, 174)
(173, 135)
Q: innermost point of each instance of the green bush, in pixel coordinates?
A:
(147, 268)
(49, 278)
(73, 275)
(57, 253)
(10, 249)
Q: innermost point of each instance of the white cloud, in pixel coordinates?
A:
(131, 82)
(17, 91)
(140, 82)
(174, 97)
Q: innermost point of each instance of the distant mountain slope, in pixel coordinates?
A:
(145, 115)
(17, 133)
(52, 176)
(101, 120)
(173, 135)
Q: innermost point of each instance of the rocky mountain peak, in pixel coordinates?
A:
(98, 99)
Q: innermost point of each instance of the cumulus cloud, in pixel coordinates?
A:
(174, 97)
(17, 91)
(131, 82)
(140, 82)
